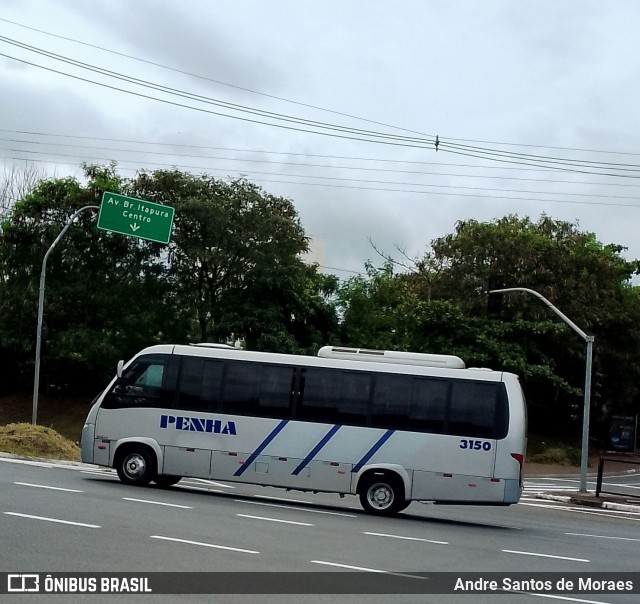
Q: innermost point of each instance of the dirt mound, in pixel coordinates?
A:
(37, 441)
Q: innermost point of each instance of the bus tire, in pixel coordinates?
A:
(382, 494)
(166, 480)
(136, 466)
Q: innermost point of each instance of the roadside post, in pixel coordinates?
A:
(584, 458)
(43, 274)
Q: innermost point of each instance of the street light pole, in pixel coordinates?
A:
(43, 272)
(584, 457)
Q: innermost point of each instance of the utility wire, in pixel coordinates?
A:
(299, 164)
(315, 107)
(482, 153)
(201, 77)
(287, 153)
(379, 189)
(320, 177)
(209, 100)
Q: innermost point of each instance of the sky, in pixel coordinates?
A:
(337, 105)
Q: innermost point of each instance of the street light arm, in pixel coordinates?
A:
(538, 295)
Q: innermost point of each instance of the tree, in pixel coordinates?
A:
(590, 282)
(440, 306)
(234, 262)
(16, 183)
(99, 286)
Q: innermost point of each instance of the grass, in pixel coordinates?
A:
(552, 451)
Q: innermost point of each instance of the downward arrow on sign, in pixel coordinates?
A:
(134, 227)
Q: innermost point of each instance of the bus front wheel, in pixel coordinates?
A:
(136, 466)
(166, 480)
(382, 495)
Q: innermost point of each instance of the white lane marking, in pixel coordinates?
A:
(407, 538)
(602, 537)
(283, 499)
(212, 545)
(558, 505)
(44, 486)
(293, 507)
(211, 482)
(203, 489)
(172, 505)
(368, 570)
(274, 520)
(512, 551)
(52, 520)
(605, 512)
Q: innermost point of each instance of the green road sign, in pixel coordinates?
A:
(135, 217)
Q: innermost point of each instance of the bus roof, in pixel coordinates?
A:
(311, 361)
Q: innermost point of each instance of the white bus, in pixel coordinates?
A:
(391, 428)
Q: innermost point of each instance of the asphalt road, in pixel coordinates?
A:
(82, 519)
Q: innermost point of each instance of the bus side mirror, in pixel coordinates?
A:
(119, 369)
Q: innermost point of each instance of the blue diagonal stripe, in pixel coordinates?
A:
(370, 453)
(261, 447)
(325, 439)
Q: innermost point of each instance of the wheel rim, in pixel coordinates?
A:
(380, 496)
(134, 466)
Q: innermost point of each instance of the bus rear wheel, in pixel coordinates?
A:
(382, 495)
(136, 466)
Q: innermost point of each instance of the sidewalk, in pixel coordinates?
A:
(621, 503)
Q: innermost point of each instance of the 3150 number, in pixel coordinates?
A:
(475, 445)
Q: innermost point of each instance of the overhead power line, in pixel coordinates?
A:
(297, 154)
(302, 104)
(300, 164)
(608, 169)
(209, 100)
(422, 191)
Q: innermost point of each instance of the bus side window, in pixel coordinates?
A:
(473, 409)
(334, 397)
(199, 387)
(355, 392)
(241, 388)
(255, 389)
(319, 395)
(391, 402)
(429, 399)
(276, 390)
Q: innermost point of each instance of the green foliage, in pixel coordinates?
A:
(96, 286)
(231, 271)
(234, 263)
(441, 307)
